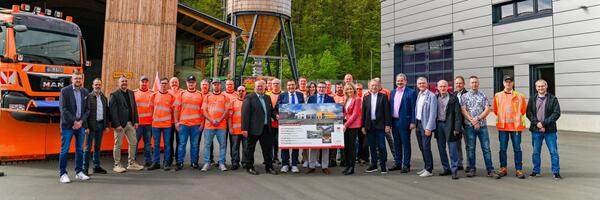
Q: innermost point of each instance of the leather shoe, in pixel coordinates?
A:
(405, 170)
(252, 171)
(271, 171)
(235, 167)
(445, 173)
(99, 170)
(349, 171)
(310, 171)
(395, 168)
(326, 171)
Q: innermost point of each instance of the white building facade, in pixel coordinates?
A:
(556, 40)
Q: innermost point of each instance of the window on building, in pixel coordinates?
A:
(431, 58)
(543, 71)
(518, 10)
(499, 74)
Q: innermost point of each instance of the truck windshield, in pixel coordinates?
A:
(48, 48)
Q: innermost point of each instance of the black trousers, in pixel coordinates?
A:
(174, 144)
(363, 147)
(266, 144)
(275, 132)
(350, 146)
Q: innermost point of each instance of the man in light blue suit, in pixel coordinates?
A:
(402, 105)
(426, 114)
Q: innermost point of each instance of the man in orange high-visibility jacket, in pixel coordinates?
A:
(176, 92)
(339, 96)
(162, 105)
(230, 90)
(189, 121)
(144, 130)
(275, 92)
(235, 129)
(205, 90)
(216, 108)
(510, 108)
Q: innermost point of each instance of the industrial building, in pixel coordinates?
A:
(556, 40)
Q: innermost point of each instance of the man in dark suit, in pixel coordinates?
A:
(257, 114)
(73, 121)
(97, 124)
(290, 97)
(402, 105)
(449, 125)
(124, 119)
(376, 123)
(320, 97)
(459, 90)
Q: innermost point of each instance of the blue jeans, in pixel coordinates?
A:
(193, 133)
(65, 143)
(515, 136)
(484, 140)
(94, 138)
(402, 148)
(453, 148)
(145, 132)
(376, 139)
(551, 141)
(425, 147)
(166, 133)
(209, 134)
(285, 157)
(440, 136)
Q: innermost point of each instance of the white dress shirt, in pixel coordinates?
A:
(420, 103)
(99, 109)
(373, 105)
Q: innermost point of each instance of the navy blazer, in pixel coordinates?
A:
(284, 98)
(326, 99)
(68, 108)
(407, 108)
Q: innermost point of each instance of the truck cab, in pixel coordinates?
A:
(38, 53)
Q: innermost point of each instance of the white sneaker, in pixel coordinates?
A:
(421, 172)
(318, 165)
(305, 164)
(65, 179)
(285, 169)
(205, 167)
(295, 169)
(135, 166)
(222, 167)
(119, 169)
(426, 174)
(82, 176)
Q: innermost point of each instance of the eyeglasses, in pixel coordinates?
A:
(241, 90)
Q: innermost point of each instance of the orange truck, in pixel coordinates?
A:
(38, 52)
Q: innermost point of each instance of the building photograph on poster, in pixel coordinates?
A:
(311, 126)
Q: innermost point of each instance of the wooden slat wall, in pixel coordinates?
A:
(139, 37)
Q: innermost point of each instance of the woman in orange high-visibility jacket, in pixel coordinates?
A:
(189, 121)
(215, 107)
(510, 108)
(144, 130)
(235, 129)
(162, 105)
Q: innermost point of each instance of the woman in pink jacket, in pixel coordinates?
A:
(352, 112)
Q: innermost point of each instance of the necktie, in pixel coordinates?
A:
(293, 98)
(320, 99)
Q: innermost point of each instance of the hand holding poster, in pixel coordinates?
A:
(311, 126)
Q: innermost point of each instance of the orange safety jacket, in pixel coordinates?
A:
(274, 96)
(162, 106)
(236, 117)
(190, 110)
(216, 106)
(142, 100)
(339, 98)
(177, 101)
(510, 111)
(232, 96)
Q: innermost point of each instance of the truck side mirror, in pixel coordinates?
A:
(20, 28)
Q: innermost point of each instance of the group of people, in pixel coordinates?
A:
(370, 120)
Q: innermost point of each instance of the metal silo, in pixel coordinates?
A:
(262, 21)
